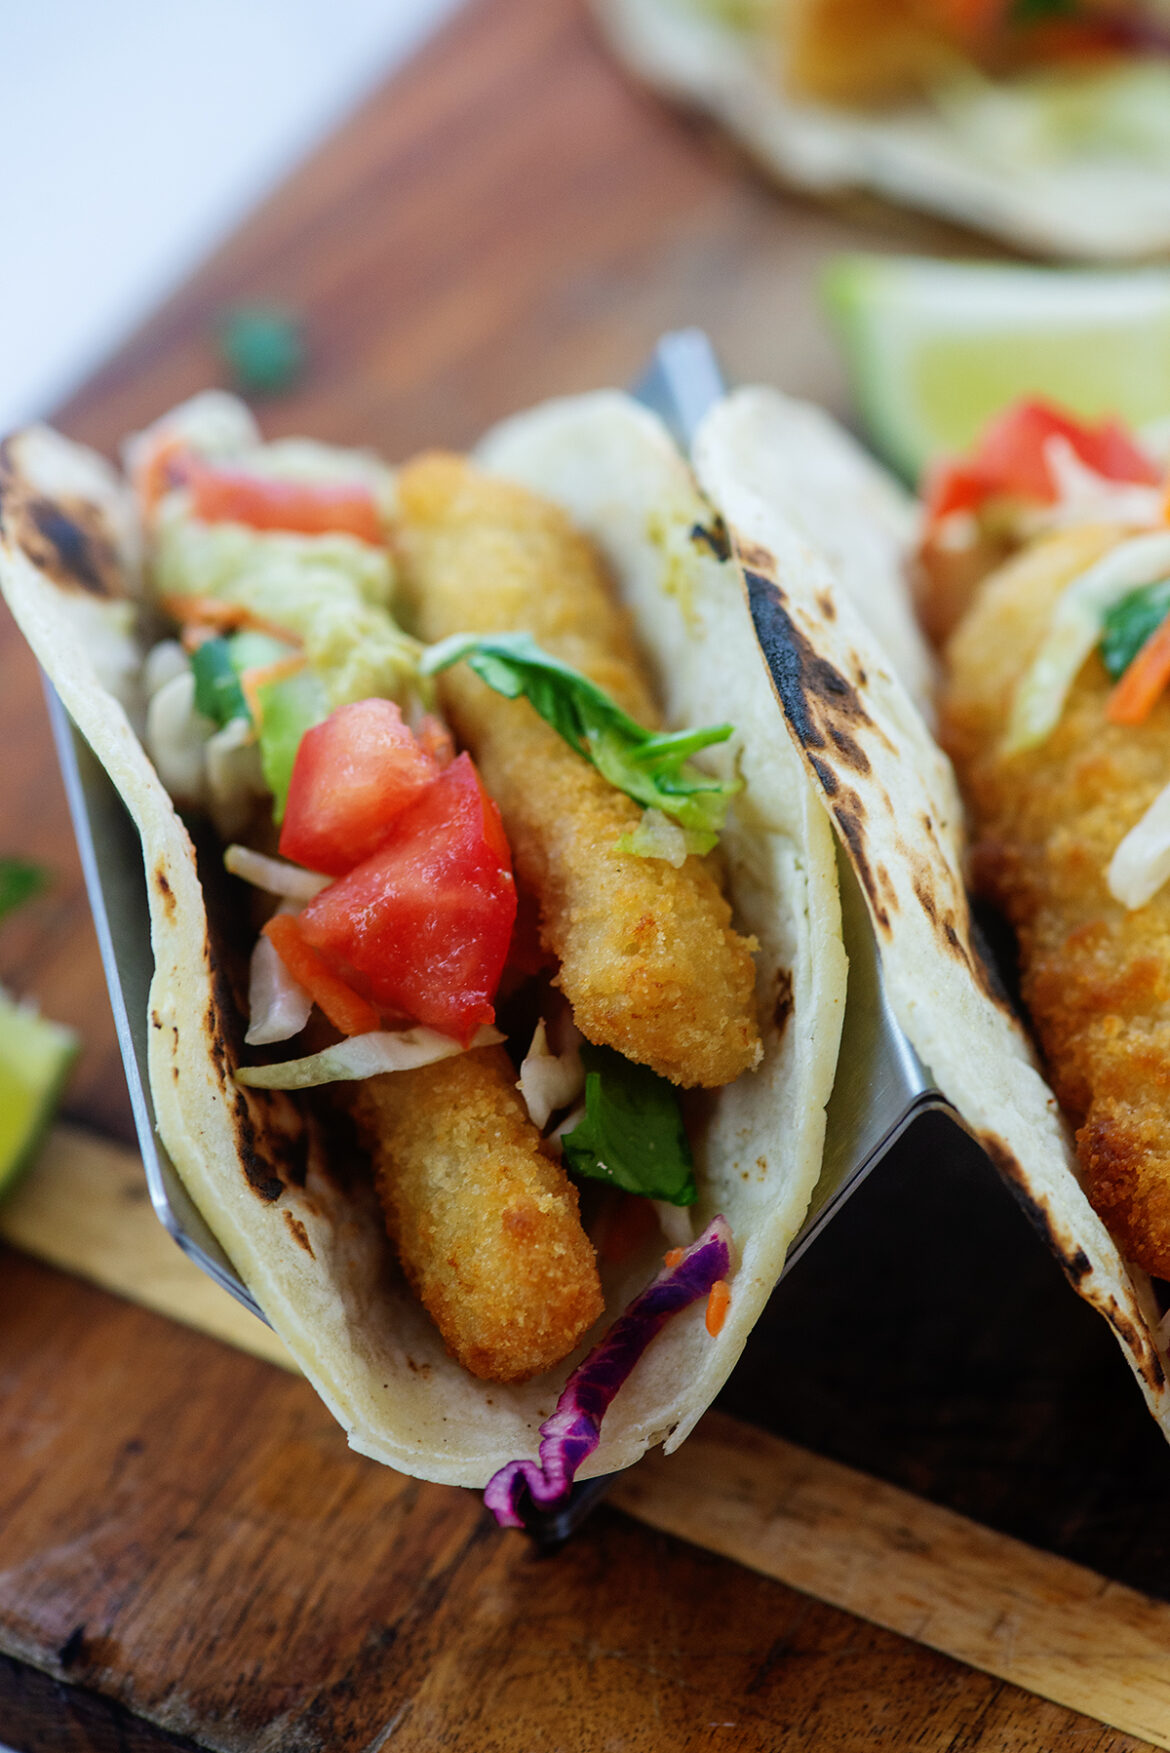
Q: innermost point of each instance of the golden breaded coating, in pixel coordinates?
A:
(486, 1226)
(1046, 822)
(648, 959)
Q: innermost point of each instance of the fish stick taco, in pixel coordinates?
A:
(525, 969)
(1046, 819)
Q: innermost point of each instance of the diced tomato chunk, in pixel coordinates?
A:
(424, 925)
(436, 739)
(1011, 459)
(223, 495)
(352, 778)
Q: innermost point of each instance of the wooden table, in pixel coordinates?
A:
(187, 1549)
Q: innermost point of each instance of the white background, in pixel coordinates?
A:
(134, 133)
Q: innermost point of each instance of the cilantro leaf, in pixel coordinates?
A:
(20, 880)
(652, 767)
(632, 1135)
(264, 349)
(1126, 627)
(218, 694)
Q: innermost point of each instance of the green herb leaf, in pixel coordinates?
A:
(1025, 12)
(632, 1135)
(654, 768)
(20, 880)
(1130, 623)
(218, 694)
(263, 349)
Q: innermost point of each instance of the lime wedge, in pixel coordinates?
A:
(933, 349)
(35, 1056)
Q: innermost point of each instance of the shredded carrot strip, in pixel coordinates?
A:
(346, 1009)
(251, 682)
(674, 1256)
(164, 467)
(213, 612)
(1133, 698)
(717, 1305)
(195, 635)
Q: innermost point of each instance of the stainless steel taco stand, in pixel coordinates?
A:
(881, 1086)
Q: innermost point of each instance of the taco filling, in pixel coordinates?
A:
(481, 892)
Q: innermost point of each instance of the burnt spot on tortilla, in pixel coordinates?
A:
(299, 1233)
(822, 706)
(887, 889)
(849, 814)
(165, 892)
(714, 537)
(273, 1135)
(827, 606)
(256, 1165)
(70, 544)
(68, 539)
(849, 749)
(924, 894)
(825, 775)
(1074, 1262)
(783, 1001)
(1011, 1170)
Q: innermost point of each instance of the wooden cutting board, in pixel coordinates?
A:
(186, 1547)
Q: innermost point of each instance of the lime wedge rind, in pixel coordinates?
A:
(35, 1059)
(933, 349)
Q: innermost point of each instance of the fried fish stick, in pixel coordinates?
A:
(485, 1224)
(1096, 975)
(648, 958)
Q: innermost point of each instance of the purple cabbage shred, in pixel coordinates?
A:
(569, 1437)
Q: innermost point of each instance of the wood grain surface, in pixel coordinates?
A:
(894, 1559)
(184, 1539)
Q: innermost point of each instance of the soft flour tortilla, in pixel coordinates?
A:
(1101, 207)
(302, 1229)
(892, 798)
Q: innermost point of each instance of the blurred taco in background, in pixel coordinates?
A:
(1045, 124)
(434, 837)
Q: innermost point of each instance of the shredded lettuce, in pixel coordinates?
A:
(288, 708)
(632, 1135)
(332, 591)
(361, 1056)
(1075, 630)
(569, 1437)
(652, 767)
(1141, 864)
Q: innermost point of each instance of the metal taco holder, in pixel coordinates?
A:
(881, 1086)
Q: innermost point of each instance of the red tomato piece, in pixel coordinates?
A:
(302, 507)
(1011, 460)
(352, 778)
(424, 925)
